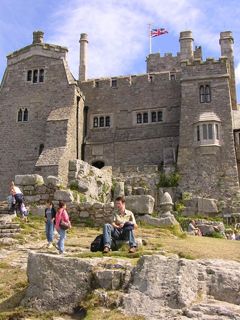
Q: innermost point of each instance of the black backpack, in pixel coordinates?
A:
(97, 244)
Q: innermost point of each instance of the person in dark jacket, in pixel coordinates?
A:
(50, 214)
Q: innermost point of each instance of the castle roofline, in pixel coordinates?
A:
(38, 46)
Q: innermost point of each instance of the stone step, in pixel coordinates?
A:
(10, 230)
(10, 226)
(8, 235)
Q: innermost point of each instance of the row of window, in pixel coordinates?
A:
(146, 117)
(208, 133)
(101, 122)
(35, 76)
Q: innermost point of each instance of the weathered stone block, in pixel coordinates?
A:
(84, 214)
(119, 189)
(143, 204)
(64, 195)
(35, 198)
(53, 181)
(207, 205)
(29, 179)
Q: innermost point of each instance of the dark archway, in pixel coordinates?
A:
(98, 164)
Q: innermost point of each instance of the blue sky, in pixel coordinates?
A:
(117, 29)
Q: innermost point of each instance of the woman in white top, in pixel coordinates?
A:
(17, 196)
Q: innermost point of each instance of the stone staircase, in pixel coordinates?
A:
(8, 228)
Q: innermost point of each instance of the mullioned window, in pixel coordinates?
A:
(205, 93)
(22, 115)
(35, 75)
(103, 121)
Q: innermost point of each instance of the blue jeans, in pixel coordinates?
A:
(49, 230)
(110, 232)
(60, 244)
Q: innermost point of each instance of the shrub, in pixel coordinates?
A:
(168, 180)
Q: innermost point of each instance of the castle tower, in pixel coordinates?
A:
(226, 42)
(186, 45)
(83, 57)
(38, 37)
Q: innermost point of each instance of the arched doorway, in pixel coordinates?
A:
(98, 164)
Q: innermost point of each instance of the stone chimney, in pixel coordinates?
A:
(186, 45)
(226, 42)
(38, 37)
(83, 57)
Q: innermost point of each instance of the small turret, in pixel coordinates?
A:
(83, 57)
(226, 43)
(38, 37)
(186, 45)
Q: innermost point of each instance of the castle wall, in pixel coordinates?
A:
(22, 140)
(156, 63)
(210, 169)
(126, 141)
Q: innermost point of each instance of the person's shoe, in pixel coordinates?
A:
(106, 249)
(50, 245)
(132, 250)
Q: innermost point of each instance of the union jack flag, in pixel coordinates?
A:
(158, 32)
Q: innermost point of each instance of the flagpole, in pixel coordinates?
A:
(150, 38)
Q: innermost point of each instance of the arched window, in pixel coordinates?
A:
(41, 75)
(20, 115)
(41, 147)
(29, 75)
(98, 164)
(95, 122)
(35, 76)
(139, 118)
(25, 115)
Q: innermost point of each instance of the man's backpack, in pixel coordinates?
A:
(97, 244)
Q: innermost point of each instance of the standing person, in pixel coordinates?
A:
(17, 196)
(122, 227)
(61, 215)
(50, 214)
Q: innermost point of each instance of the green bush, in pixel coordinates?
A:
(168, 180)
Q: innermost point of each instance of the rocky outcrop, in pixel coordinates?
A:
(159, 287)
(59, 282)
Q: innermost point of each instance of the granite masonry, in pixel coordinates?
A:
(182, 113)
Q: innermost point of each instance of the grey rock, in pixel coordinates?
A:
(29, 179)
(64, 195)
(140, 204)
(54, 181)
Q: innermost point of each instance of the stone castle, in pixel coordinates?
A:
(181, 114)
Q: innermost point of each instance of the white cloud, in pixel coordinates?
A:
(117, 30)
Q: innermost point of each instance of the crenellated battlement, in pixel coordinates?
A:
(208, 61)
(131, 80)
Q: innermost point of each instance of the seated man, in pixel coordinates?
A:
(121, 228)
(192, 229)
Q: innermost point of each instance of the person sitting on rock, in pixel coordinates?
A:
(192, 229)
(122, 227)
